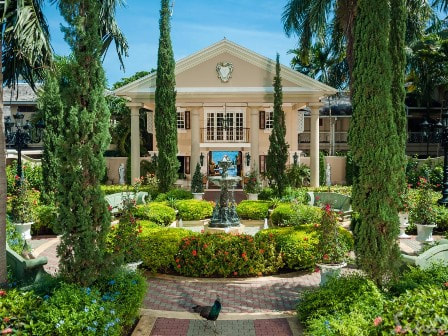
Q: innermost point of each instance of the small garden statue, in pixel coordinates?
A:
(121, 174)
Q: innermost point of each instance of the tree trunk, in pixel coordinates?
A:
(3, 271)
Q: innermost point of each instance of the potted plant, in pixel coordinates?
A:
(331, 252)
(252, 186)
(21, 209)
(197, 186)
(423, 214)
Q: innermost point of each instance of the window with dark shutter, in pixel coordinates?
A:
(187, 119)
(262, 163)
(262, 119)
(187, 165)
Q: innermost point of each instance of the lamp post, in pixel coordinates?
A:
(23, 135)
(295, 157)
(201, 159)
(429, 130)
(444, 200)
(247, 159)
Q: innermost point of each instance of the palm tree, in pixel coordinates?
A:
(26, 53)
(313, 20)
(25, 49)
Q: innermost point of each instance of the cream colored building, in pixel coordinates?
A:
(225, 104)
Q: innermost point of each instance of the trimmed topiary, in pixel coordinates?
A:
(253, 209)
(194, 209)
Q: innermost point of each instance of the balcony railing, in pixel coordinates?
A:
(421, 137)
(221, 134)
(324, 137)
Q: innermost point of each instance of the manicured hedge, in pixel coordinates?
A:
(291, 214)
(194, 209)
(298, 245)
(223, 255)
(177, 194)
(253, 209)
(160, 246)
(157, 212)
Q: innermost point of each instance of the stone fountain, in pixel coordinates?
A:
(224, 217)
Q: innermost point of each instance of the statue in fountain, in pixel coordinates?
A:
(224, 214)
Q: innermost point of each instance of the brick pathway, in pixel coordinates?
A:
(182, 327)
(270, 295)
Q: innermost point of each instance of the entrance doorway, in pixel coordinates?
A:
(213, 169)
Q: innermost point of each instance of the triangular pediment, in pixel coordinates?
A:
(250, 71)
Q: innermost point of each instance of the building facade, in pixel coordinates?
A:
(225, 106)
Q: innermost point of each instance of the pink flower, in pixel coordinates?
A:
(6, 331)
(377, 321)
(235, 273)
(178, 266)
(398, 329)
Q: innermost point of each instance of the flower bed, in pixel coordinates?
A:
(108, 308)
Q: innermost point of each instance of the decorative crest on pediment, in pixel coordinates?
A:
(224, 70)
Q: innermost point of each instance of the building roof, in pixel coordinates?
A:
(22, 94)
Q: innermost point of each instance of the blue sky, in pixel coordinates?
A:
(195, 25)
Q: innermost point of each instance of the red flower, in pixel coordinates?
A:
(327, 208)
(235, 273)
(316, 269)
(226, 253)
(177, 261)
(109, 208)
(377, 321)
(195, 253)
(6, 331)
(205, 246)
(2, 293)
(6, 319)
(140, 229)
(326, 257)
(178, 266)
(17, 177)
(243, 255)
(305, 238)
(261, 251)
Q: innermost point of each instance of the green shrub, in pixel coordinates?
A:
(194, 209)
(266, 194)
(226, 255)
(32, 173)
(299, 175)
(297, 195)
(289, 214)
(126, 290)
(45, 217)
(157, 212)
(16, 311)
(13, 237)
(355, 323)
(160, 246)
(72, 310)
(441, 218)
(421, 311)
(340, 295)
(298, 245)
(253, 209)
(161, 197)
(179, 194)
(414, 277)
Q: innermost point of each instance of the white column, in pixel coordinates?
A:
(195, 140)
(314, 152)
(254, 144)
(135, 143)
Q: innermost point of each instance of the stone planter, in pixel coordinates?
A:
(132, 267)
(198, 196)
(252, 197)
(404, 223)
(24, 229)
(424, 233)
(328, 271)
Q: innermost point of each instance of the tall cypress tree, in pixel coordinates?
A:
(375, 143)
(50, 108)
(84, 219)
(165, 118)
(398, 56)
(278, 148)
